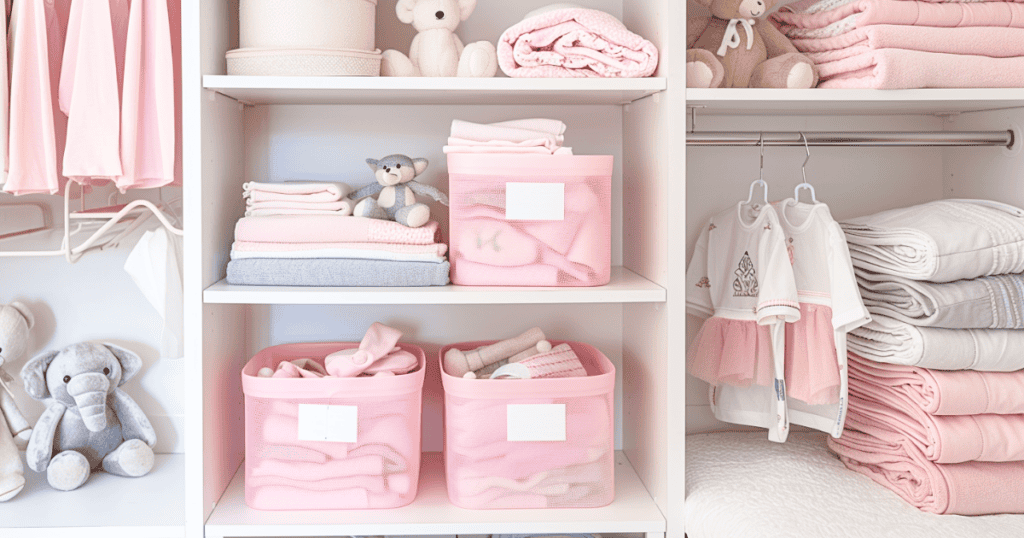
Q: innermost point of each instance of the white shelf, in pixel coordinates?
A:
(432, 91)
(625, 287)
(107, 506)
(822, 101)
(633, 511)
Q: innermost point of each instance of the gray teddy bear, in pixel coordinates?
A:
(397, 192)
(89, 422)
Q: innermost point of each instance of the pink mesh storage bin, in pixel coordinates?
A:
(530, 220)
(531, 443)
(331, 443)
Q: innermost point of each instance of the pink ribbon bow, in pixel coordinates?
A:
(376, 354)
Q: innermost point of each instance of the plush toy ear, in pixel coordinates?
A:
(33, 374)
(404, 10)
(466, 7)
(130, 362)
(420, 165)
(25, 312)
(373, 163)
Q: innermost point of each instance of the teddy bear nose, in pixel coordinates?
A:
(387, 169)
(439, 15)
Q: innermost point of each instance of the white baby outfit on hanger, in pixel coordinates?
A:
(740, 275)
(830, 306)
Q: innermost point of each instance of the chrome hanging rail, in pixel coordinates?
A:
(857, 139)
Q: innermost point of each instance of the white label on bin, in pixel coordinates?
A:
(536, 422)
(332, 423)
(535, 201)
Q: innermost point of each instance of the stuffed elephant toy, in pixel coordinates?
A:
(89, 422)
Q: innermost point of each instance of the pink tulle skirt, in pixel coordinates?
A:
(732, 352)
(812, 369)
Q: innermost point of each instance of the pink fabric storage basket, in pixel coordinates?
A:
(485, 470)
(530, 220)
(380, 469)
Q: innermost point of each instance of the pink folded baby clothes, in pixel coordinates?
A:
(574, 42)
(295, 249)
(892, 69)
(561, 361)
(538, 135)
(979, 41)
(340, 208)
(294, 191)
(331, 229)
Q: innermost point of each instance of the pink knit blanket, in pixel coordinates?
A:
(942, 439)
(331, 229)
(939, 392)
(894, 69)
(982, 41)
(970, 489)
(434, 249)
(576, 43)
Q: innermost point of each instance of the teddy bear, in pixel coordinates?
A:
(396, 192)
(89, 422)
(734, 48)
(15, 322)
(436, 51)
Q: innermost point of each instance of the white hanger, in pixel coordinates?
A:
(760, 179)
(803, 170)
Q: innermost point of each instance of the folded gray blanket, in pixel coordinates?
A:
(940, 241)
(333, 272)
(994, 302)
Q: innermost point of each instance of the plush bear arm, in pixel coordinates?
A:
(775, 41)
(459, 47)
(695, 27)
(16, 422)
(427, 190)
(134, 423)
(40, 445)
(414, 51)
(372, 189)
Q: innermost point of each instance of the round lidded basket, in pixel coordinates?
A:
(308, 24)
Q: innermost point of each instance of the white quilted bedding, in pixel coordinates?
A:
(741, 485)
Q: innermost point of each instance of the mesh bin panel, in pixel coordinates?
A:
(500, 238)
(379, 470)
(486, 471)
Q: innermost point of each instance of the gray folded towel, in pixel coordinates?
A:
(334, 272)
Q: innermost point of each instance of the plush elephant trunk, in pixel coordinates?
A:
(90, 394)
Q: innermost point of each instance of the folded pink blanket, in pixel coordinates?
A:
(981, 41)
(970, 489)
(577, 43)
(434, 249)
(341, 207)
(294, 191)
(331, 229)
(894, 69)
(942, 439)
(938, 392)
(862, 13)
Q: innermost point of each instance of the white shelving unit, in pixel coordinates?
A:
(633, 511)
(625, 287)
(431, 91)
(271, 128)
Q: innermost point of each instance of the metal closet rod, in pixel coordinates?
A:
(855, 139)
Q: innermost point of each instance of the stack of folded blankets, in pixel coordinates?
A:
(540, 136)
(936, 409)
(901, 44)
(303, 234)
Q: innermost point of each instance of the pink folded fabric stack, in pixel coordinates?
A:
(296, 198)
(902, 44)
(946, 442)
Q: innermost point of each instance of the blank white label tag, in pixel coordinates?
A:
(535, 201)
(536, 422)
(333, 423)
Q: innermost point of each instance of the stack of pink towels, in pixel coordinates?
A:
(303, 234)
(902, 44)
(946, 442)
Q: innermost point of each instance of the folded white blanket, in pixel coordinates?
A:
(993, 302)
(895, 342)
(294, 191)
(525, 135)
(940, 241)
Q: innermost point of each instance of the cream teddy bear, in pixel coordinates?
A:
(15, 322)
(436, 51)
